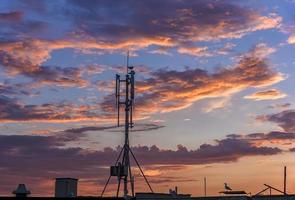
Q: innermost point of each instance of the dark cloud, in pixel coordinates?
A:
(89, 128)
(226, 150)
(44, 157)
(137, 128)
(280, 106)
(49, 147)
(272, 137)
(164, 23)
(14, 16)
(172, 21)
(284, 119)
(74, 134)
(7, 88)
(12, 109)
(140, 127)
(170, 179)
(59, 76)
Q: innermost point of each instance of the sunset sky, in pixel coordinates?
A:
(215, 93)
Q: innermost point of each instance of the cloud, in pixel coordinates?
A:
(27, 58)
(88, 128)
(170, 90)
(280, 106)
(163, 90)
(261, 50)
(7, 88)
(204, 50)
(179, 22)
(139, 127)
(47, 157)
(226, 150)
(291, 39)
(14, 16)
(161, 50)
(195, 51)
(12, 110)
(216, 104)
(275, 137)
(227, 48)
(173, 24)
(266, 95)
(284, 119)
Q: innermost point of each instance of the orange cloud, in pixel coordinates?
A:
(266, 95)
(163, 91)
(195, 51)
(170, 90)
(291, 39)
(27, 57)
(179, 26)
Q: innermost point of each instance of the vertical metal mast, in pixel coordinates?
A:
(128, 103)
(122, 170)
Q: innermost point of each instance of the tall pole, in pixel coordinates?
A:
(122, 170)
(126, 145)
(205, 187)
(285, 180)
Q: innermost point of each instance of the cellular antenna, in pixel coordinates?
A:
(127, 65)
(122, 168)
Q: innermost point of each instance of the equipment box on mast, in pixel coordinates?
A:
(119, 171)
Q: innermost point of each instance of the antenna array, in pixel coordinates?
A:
(122, 168)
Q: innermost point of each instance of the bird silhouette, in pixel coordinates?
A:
(226, 187)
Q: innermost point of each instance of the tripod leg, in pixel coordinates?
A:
(105, 187)
(141, 171)
(131, 180)
(118, 187)
(119, 156)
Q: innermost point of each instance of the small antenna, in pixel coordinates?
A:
(285, 180)
(127, 66)
(118, 98)
(205, 186)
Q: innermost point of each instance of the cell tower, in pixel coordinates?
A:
(122, 168)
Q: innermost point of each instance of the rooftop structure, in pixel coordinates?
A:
(66, 187)
(21, 191)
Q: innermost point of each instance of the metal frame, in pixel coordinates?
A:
(124, 155)
(268, 187)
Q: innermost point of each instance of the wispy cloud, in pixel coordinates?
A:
(266, 95)
(216, 104)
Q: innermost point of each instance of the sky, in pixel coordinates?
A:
(214, 93)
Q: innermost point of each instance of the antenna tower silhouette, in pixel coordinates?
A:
(122, 168)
